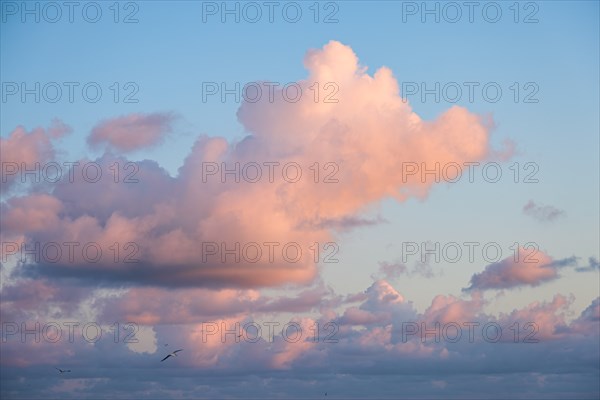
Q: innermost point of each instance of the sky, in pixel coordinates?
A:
(310, 199)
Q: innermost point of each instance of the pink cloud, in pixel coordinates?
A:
(529, 269)
(369, 138)
(356, 316)
(32, 213)
(167, 217)
(446, 309)
(22, 150)
(152, 305)
(547, 318)
(382, 303)
(363, 349)
(132, 132)
(365, 140)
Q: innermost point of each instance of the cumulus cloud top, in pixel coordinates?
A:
(28, 149)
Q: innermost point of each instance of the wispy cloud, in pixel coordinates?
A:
(542, 213)
(593, 265)
(393, 270)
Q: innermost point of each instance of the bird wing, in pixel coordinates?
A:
(165, 358)
(177, 351)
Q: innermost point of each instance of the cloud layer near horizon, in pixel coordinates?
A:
(371, 337)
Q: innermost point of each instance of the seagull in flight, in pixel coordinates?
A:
(62, 371)
(173, 354)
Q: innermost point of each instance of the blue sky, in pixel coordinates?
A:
(165, 58)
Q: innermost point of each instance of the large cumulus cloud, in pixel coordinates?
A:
(364, 138)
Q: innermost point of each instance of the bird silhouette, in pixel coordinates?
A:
(173, 354)
(62, 371)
